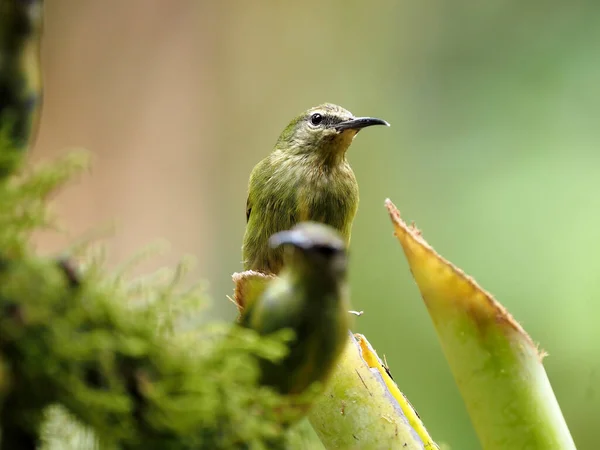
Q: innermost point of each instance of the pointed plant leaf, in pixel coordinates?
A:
(496, 365)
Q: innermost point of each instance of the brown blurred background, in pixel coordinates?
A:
(493, 151)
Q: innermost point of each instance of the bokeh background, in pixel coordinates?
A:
(493, 151)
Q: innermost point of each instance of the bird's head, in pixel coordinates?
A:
(313, 247)
(325, 131)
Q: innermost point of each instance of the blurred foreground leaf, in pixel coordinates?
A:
(497, 367)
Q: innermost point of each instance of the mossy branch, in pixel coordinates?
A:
(20, 78)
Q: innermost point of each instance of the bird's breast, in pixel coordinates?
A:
(329, 197)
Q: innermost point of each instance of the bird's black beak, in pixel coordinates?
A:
(359, 123)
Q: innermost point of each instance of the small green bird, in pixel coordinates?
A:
(310, 297)
(305, 178)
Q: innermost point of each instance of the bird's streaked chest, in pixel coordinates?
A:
(324, 195)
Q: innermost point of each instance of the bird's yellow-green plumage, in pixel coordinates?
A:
(310, 297)
(305, 178)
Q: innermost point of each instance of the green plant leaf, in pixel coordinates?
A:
(496, 365)
(362, 407)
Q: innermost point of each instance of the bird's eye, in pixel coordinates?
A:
(316, 119)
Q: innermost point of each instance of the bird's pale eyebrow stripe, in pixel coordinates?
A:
(333, 119)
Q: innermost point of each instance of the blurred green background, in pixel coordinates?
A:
(493, 152)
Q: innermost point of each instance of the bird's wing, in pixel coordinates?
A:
(270, 207)
(248, 208)
(253, 186)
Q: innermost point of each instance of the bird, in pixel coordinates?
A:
(305, 178)
(310, 296)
